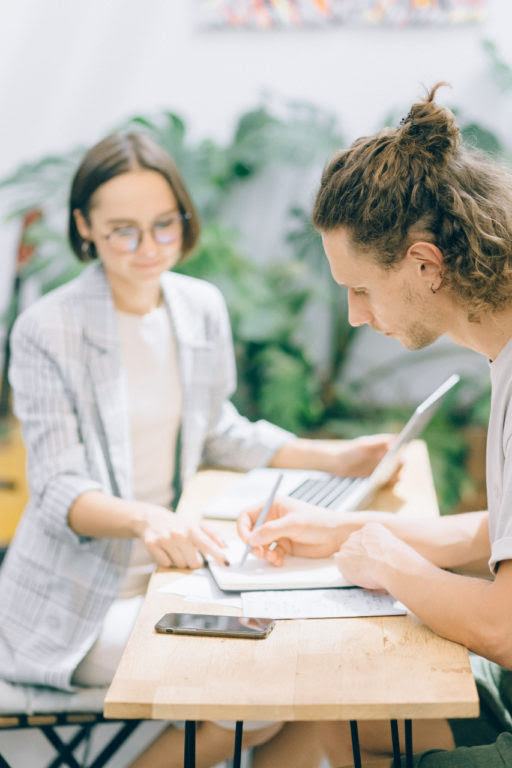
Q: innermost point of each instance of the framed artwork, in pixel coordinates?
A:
(282, 14)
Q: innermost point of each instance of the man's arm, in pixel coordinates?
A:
(456, 541)
(299, 528)
(473, 612)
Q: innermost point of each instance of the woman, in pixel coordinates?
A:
(122, 380)
(419, 230)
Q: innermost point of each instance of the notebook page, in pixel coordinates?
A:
(256, 574)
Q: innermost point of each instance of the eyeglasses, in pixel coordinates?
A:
(128, 239)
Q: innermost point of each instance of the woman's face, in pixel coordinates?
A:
(135, 225)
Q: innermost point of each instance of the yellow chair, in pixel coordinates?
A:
(13, 483)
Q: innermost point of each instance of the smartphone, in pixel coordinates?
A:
(214, 626)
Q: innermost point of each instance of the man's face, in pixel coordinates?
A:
(392, 301)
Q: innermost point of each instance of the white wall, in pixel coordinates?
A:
(70, 71)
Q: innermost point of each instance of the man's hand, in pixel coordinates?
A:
(296, 528)
(367, 556)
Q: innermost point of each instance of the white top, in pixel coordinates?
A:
(499, 458)
(148, 350)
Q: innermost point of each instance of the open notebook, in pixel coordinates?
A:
(258, 575)
(320, 488)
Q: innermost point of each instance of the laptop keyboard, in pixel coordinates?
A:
(325, 493)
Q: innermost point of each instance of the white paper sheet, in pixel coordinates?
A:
(319, 604)
(200, 587)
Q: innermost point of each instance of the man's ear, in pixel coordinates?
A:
(81, 224)
(428, 263)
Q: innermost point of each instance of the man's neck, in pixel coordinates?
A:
(487, 336)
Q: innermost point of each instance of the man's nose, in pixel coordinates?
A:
(358, 313)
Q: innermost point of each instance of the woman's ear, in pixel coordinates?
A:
(428, 263)
(83, 227)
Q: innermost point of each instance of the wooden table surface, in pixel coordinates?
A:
(363, 668)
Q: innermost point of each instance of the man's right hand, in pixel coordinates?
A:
(297, 528)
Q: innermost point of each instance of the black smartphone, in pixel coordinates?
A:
(214, 626)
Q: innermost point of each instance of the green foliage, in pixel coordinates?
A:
(501, 71)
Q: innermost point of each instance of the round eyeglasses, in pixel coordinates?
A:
(127, 239)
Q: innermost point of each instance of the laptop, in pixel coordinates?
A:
(321, 488)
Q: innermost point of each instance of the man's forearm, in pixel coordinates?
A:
(466, 610)
(454, 541)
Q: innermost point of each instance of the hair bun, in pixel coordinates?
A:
(429, 130)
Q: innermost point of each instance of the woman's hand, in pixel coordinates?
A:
(173, 542)
(357, 457)
(296, 528)
(369, 554)
(347, 458)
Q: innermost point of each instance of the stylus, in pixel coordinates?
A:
(262, 515)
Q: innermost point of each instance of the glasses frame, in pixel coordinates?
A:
(178, 217)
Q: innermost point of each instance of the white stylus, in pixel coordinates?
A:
(262, 515)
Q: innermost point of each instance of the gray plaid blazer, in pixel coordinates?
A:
(70, 396)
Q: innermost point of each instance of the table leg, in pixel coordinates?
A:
(396, 743)
(190, 744)
(408, 744)
(356, 752)
(237, 756)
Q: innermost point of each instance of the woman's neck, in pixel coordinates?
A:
(136, 301)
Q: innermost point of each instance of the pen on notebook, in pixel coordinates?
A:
(262, 515)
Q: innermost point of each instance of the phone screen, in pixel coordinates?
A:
(216, 626)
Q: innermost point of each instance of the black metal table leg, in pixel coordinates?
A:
(356, 751)
(190, 744)
(408, 744)
(4, 763)
(396, 743)
(237, 756)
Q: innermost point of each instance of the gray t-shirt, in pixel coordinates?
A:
(499, 458)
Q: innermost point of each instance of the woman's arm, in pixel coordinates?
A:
(349, 458)
(69, 500)
(169, 539)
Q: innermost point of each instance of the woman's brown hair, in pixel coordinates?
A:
(418, 181)
(117, 154)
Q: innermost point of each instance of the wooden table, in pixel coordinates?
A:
(316, 669)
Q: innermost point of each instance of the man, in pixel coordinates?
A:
(419, 230)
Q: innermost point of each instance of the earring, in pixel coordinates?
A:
(432, 288)
(86, 249)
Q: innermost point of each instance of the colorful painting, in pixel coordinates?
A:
(278, 14)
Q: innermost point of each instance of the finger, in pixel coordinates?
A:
(244, 525)
(177, 559)
(283, 527)
(213, 534)
(248, 517)
(276, 555)
(206, 545)
(159, 555)
(190, 554)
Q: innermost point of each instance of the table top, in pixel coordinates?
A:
(363, 668)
